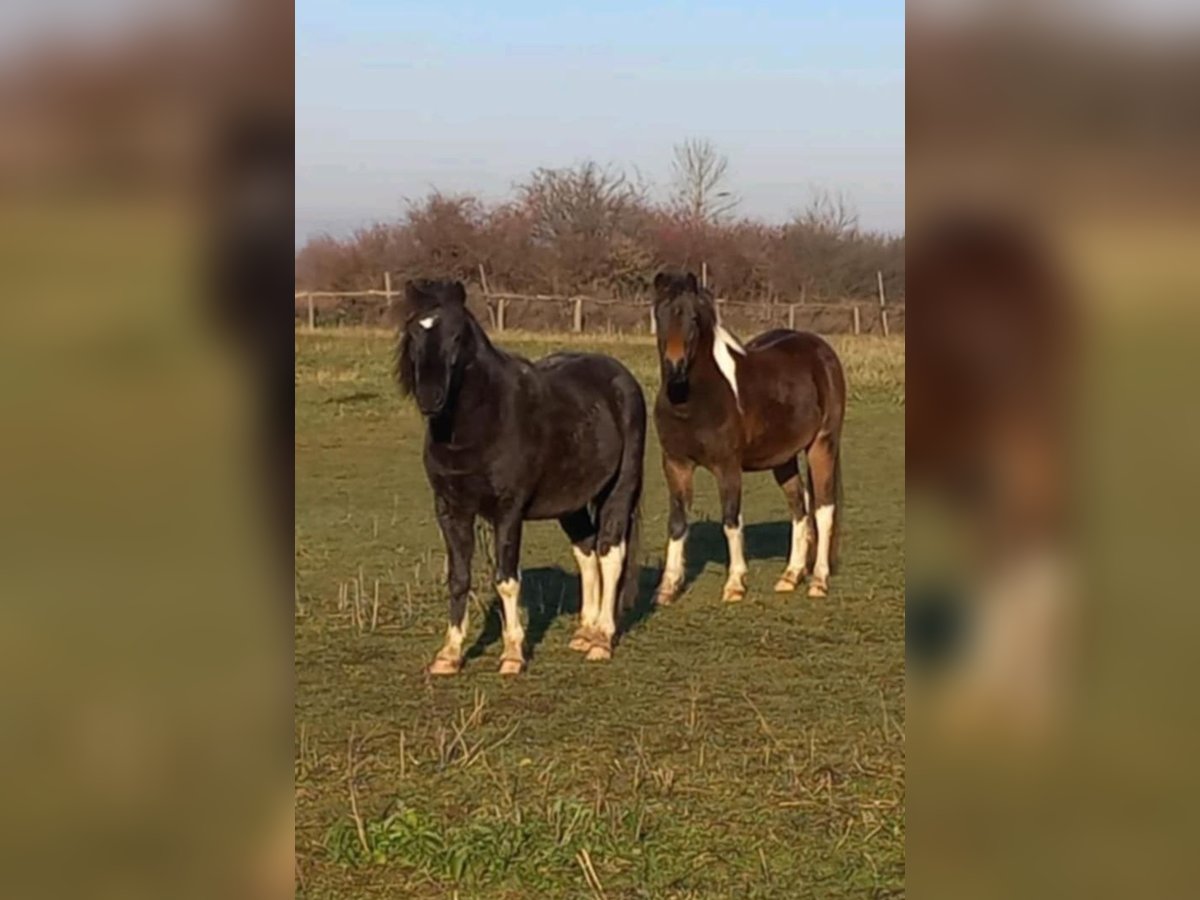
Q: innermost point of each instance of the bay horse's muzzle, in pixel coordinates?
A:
(675, 374)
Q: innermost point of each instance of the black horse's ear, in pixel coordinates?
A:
(412, 293)
(693, 285)
(457, 294)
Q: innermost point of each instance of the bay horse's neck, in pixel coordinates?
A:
(472, 413)
(707, 384)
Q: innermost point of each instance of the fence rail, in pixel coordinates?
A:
(579, 313)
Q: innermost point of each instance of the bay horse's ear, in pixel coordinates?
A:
(662, 285)
(693, 285)
(457, 294)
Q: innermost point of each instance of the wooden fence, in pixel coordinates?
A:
(575, 313)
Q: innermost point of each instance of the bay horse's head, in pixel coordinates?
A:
(435, 342)
(685, 319)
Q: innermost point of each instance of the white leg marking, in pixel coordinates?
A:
(737, 553)
(449, 658)
(735, 584)
(610, 579)
(513, 657)
(589, 586)
(824, 536)
(673, 569)
(798, 559)
(455, 635)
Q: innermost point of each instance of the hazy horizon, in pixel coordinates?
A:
(395, 100)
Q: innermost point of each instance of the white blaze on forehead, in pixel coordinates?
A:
(427, 322)
(724, 346)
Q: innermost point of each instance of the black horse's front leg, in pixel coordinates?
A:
(508, 586)
(458, 531)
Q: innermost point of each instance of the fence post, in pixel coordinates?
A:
(387, 296)
(653, 322)
(792, 316)
(312, 319)
(703, 274)
(857, 320)
(578, 318)
(500, 314)
(883, 316)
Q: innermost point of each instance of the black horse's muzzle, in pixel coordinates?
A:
(431, 401)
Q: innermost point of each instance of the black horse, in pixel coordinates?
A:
(511, 440)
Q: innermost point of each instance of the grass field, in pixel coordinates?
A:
(737, 751)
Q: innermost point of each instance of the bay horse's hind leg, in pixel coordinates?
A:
(729, 485)
(822, 476)
(788, 478)
(582, 532)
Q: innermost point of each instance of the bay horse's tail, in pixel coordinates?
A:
(631, 569)
(837, 519)
(832, 392)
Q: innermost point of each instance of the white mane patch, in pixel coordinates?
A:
(724, 346)
(427, 322)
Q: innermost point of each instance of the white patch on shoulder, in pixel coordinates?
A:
(724, 346)
(427, 322)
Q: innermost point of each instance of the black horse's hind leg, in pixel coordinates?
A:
(679, 475)
(822, 476)
(458, 531)
(508, 586)
(729, 485)
(793, 486)
(582, 532)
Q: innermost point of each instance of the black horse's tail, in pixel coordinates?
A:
(631, 568)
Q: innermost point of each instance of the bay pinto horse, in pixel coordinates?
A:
(509, 440)
(734, 409)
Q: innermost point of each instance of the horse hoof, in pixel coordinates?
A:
(442, 665)
(818, 590)
(599, 652)
(788, 582)
(733, 594)
(582, 639)
(512, 666)
(665, 595)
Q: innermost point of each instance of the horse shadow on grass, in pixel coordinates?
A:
(706, 544)
(550, 592)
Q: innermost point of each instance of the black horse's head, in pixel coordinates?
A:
(685, 317)
(435, 342)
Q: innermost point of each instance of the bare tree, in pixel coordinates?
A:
(830, 213)
(698, 181)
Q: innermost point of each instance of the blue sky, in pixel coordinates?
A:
(396, 98)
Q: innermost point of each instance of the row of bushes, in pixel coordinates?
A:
(591, 230)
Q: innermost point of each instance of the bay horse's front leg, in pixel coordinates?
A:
(508, 586)
(458, 531)
(729, 484)
(679, 485)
